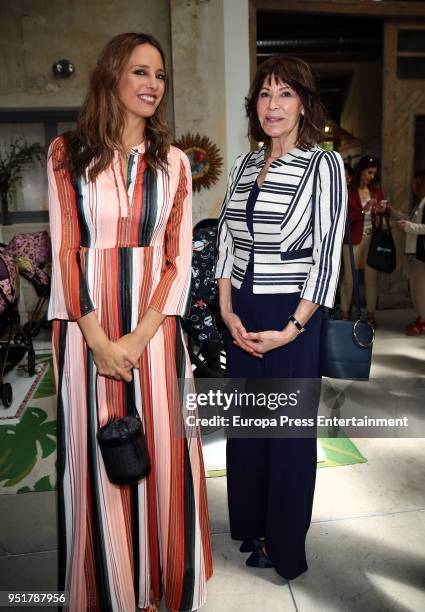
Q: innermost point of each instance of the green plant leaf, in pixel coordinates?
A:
(43, 485)
(19, 445)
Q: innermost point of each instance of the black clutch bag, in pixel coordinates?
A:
(124, 449)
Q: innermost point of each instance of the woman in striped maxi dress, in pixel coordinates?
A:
(120, 217)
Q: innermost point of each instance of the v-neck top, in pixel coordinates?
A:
(94, 224)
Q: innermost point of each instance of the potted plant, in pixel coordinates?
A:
(15, 158)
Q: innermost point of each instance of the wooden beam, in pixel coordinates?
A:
(365, 8)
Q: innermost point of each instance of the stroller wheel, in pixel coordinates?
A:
(31, 363)
(6, 394)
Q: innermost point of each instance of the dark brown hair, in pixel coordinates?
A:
(298, 75)
(419, 177)
(364, 162)
(101, 120)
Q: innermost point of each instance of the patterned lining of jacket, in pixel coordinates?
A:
(287, 257)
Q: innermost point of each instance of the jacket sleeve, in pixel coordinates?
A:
(329, 210)
(414, 228)
(171, 295)
(396, 215)
(354, 211)
(225, 247)
(69, 298)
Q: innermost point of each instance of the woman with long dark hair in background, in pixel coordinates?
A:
(364, 194)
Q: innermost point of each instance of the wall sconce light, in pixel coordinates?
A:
(63, 68)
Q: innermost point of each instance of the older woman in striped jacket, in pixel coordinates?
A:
(279, 247)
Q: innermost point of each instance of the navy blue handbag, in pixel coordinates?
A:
(346, 346)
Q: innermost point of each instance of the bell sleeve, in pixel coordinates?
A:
(70, 298)
(171, 296)
(330, 211)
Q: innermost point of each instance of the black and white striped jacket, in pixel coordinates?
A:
(287, 257)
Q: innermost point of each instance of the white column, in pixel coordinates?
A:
(236, 55)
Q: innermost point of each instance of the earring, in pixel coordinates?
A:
(302, 112)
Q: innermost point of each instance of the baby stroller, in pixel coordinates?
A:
(203, 323)
(26, 255)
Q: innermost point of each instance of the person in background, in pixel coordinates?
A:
(414, 228)
(363, 197)
(348, 173)
(279, 252)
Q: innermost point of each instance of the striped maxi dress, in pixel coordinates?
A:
(119, 249)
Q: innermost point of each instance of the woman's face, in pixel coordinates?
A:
(278, 108)
(367, 175)
(142, 82)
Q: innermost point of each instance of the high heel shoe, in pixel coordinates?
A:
(259, 559)
(251, 545)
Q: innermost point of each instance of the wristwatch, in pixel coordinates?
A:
(297, 324)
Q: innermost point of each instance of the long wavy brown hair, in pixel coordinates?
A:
(101, 119)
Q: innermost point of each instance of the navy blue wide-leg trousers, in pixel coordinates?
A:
(271, 481)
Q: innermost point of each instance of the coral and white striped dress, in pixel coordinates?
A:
(118, 250)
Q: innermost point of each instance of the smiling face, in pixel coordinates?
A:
(279, 108)
(142, 83)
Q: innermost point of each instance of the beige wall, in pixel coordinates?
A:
(199, 75)
(36, 33)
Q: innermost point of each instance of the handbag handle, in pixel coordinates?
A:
(354, 271)
(131, 403)
(381, 222)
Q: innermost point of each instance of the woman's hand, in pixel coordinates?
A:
(133, 345)
(114, 361)
(382, 207)
(263, 342)
(402, 225)
(238, 331)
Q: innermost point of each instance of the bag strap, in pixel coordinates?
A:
(131, 403)
(354, 271)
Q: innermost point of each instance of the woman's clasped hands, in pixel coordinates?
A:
(117, 359)
(257, 343)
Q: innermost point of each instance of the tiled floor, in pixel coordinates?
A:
(366, 545)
